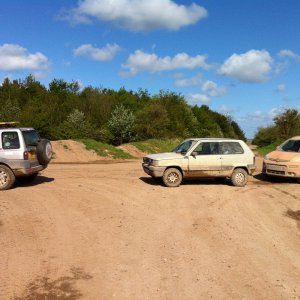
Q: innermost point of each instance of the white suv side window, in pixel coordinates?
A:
(10, 140)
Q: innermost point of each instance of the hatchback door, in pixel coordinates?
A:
(205, 160)
(231, 156)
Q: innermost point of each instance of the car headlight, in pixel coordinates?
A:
(155, 163)
(295, 159)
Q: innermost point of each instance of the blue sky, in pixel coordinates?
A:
(239, 57)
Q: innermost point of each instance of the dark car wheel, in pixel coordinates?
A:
(7, 178)
(44, 152)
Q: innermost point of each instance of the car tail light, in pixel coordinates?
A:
(25, 155)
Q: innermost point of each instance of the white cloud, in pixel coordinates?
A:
(197, 98)
(289, 54)
(211, 89)
(187, 82)
(15, 58)
(252, 66)
(138, 15)
(265, 117)
(141, 61)
(281, 88)
(102, 54)
(226, 110)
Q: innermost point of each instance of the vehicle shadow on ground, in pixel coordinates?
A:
(190, 181)
(63, 288)
(22, 182)
(269, 180)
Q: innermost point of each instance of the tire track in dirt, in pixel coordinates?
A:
(137, 239)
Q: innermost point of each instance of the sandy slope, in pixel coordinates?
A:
(72, 151)
(107, 231)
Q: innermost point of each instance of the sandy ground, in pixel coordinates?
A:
(108, 231)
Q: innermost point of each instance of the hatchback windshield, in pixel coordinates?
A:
(184, 147)
(31, 137)
(291, 146)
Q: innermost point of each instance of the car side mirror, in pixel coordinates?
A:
(278, 148)
(194, 154)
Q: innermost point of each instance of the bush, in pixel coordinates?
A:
(121, 125)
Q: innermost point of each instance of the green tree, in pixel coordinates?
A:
(121, 125)
(75, 127)
(208, 127)
(10, 111)
(265, 136)
(239, 133)
(152, 121)
(288, 123)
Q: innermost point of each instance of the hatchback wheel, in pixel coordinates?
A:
(239, 177)
(172, 177)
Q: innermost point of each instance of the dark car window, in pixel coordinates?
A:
(291, 146)
(10, 140)
(31, 137)
(184, 147)
(207, 148)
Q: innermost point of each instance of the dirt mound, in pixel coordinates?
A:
(132, 150)
(72, 151)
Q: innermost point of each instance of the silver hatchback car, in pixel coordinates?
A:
(23, 154)
(203, 158)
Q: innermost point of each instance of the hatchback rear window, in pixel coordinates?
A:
(31, 137)
(231, 148)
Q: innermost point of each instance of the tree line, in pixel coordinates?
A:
(285, 125)
(63, 111)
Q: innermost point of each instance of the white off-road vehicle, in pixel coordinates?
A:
(203, 158)
(23, 154)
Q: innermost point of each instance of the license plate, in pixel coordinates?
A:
(31, 156)
(276, 168)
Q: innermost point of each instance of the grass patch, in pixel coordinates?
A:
(156, 146)
(105, 150)
(265, 150)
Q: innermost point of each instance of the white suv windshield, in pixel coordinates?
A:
(291, 146)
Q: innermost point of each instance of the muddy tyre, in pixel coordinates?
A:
(7, 178)
(172, 177)
(239, 177)
(44, 152)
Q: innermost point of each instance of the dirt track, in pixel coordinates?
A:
(107, 231)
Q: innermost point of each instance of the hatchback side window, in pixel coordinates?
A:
(231, 148)
(10, 140)
(207, 148)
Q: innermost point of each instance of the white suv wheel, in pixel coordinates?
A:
(7, 178)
